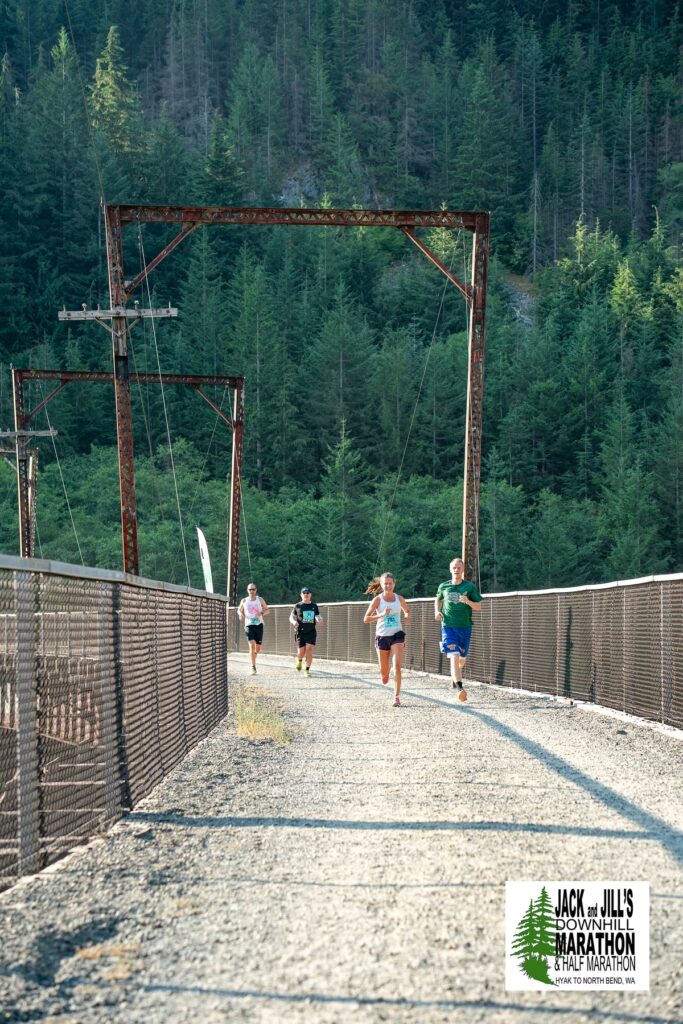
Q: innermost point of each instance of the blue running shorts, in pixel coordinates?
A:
(455, 640)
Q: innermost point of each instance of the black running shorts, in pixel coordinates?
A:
(385, 643)
(305, 636)
(255, 633)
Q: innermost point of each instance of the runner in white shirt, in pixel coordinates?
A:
(251, 610)
(385, 611)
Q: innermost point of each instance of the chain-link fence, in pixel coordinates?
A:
(619, 644)
(105, 685)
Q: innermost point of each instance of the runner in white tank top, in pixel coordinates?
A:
(385, 610)
(251, 610)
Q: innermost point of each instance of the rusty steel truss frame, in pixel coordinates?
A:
(121, 289)
(235, 420)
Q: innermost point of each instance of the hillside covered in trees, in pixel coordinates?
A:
(564, 119)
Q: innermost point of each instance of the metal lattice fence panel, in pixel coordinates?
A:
(414, 630)
(574, 665)
(361, 635)
(538, 652)
(608, 647)
(643, 650)
(139, 641)
(75, 713)
(104, 686)
(506, 634)
(671, 603)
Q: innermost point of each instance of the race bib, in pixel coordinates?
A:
(308, 618)
(391, 621)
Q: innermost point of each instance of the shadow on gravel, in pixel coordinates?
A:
(395, 826)
(542, 1011)
(50, 949)
(654, 828)
(649, 825)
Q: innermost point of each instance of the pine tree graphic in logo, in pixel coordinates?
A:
(534, 939)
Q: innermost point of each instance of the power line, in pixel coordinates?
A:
(163, 402)
(412, 418)
(61, 475)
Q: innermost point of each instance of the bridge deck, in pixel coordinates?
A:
(358, 874)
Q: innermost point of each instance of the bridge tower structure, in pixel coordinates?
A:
(187, 219)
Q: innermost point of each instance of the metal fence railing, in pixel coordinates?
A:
(106, 682)
(617, 644)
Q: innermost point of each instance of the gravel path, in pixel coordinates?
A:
(358, 874)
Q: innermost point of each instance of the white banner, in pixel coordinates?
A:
(206, 561)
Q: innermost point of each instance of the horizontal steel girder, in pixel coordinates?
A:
(107, 377)
(327, 218)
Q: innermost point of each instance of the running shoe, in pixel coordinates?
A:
(397, 702)
(307, 671)
(253, 670)
(298, 664)
(462, 693)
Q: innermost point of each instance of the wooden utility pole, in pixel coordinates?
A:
(119, 320)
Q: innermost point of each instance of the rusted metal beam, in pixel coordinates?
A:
(23, 479)
(28, 416)
(235, 496)
(475, 398)
(196, 215)
(407, 220)
(32, 490)
(463, 288)
(124, 419)
(216, 408)
(187, 229)
(194, 380)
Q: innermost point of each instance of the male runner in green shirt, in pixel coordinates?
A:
(453, 607)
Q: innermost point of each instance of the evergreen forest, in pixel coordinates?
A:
(563, 118)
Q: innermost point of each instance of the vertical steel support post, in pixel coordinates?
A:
(32, 502)
(475, 397)
(111, 805)
(235, 494)
(23, 475)
(124, 419)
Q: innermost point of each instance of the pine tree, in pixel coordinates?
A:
(524, 941)
(344, 508)
(339, 359)
(113, 100)
(630, 307)
(166, 163)
(344, 178)
(504, 537)
(627, 520)
(545, 922)
(486, 167)
(321, 106)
